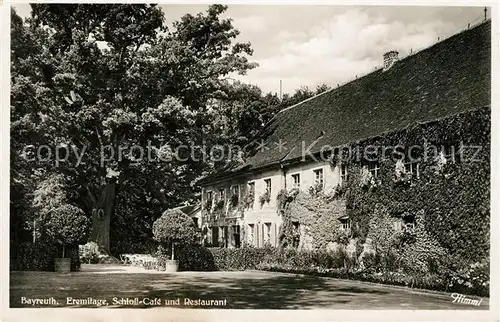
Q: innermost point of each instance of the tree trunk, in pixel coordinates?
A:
(173, 251)
(63, 251)
(101, 216)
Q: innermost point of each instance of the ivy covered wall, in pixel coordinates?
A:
(317, 218)
(448, 203)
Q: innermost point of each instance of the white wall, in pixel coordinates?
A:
(280, 178)
(331, 175)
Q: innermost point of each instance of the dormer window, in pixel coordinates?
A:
(374, 168)
(408, 223)
(413, 169)
(344, 175)
(346, 223)
(451, 152)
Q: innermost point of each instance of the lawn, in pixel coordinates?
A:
(235, 290)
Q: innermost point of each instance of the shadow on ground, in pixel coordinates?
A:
(241, 290)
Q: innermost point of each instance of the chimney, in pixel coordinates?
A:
(390, 58)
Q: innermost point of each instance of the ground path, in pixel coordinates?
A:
(241, 290)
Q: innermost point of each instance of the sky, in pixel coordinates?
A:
(307, 45)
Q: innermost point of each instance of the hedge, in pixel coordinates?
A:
(41, 256)
(377, 269)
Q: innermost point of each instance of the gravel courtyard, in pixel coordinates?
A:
(124, 286)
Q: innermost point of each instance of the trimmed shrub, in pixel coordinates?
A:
(378, 268)
(66, 226)
(40, 256)
(175, 228)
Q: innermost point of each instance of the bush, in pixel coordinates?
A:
(239, 258)
(40, 256)
(339, 257)
(195, 258)
(175, 228)
(67, 225)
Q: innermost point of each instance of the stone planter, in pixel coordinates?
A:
(63, 265)
(171, 266)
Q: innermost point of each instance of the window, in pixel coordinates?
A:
(346, 223)
(408, 223)
(296, 180)
(318, 176)
(267, 235)
(451, 152)
(344, 175)
(374, 168)
(195, 220)
(236, 190)
(413, 168)
(251, 188)
(221, 194)
(207, 205)
(268, 185)
(251, 233)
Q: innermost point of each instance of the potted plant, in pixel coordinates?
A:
(66, 225)
(266, 197)
(174, 228)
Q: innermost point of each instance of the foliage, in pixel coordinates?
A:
(208, 204)
(219, 204)
(248, 200)
(234, 200)
(367, 180)
(319, 214)
(265, 198)
(400, 174)
(40, 256)
(90, 77)
(174, 226)
(338, 192)
(190, 257)
(316, 189)
(283, 198)
(239, 258)
(475, 276)
(67, 225)
(109, 76)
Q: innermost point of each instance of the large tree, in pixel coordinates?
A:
(90, 81)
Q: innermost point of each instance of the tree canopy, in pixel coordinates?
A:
(103, 94)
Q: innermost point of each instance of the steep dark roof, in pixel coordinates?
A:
(450, 77)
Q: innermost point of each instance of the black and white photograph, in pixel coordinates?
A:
(238, 156)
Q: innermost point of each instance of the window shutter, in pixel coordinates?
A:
(263, 234)
(273, 234)
(256, 241)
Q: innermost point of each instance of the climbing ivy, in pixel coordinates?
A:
(449, 201)
(452, 200)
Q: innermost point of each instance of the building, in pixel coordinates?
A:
(453, 76)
